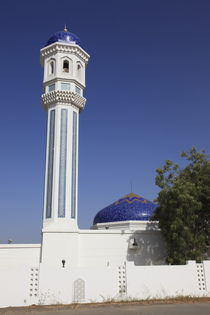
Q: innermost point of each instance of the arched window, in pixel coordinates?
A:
(65, 66)
(51, 69)
(79, 71)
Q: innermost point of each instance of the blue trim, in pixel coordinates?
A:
(74, 167)
(50, 164)
(62, 167)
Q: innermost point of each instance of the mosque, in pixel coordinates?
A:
(122, 256)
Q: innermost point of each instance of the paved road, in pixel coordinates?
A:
(124, 309)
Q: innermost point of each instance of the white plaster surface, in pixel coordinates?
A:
(111, 246)
(57, 284)
(14, 254)
(163, 281)
(207, 274)
(94, 248)
(103, 284)
(97, 265)
(15, 285)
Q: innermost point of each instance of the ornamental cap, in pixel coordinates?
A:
(64, 37)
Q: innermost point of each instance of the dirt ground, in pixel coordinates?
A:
(178, 306)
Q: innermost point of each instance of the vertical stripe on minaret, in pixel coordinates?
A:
(74, 167)
(62, 162)
(50, 164)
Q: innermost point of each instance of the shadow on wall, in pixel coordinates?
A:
(147, 247)
(208, 253)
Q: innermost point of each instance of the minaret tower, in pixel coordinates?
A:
(64, 63)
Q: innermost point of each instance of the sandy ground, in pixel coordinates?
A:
(169, 307)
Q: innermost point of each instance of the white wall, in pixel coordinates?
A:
(207, 274)
(111, 247)
(19, 274)
(49, 283)
(101, 272)
(60, 246)
(57, 285)
(86, 248)
(19, 253)
(122, 282)
(163, 281)
(18, 285)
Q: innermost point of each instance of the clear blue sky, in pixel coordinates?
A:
(148, 91)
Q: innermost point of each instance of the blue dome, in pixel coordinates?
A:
(64, 37)
(129, 208)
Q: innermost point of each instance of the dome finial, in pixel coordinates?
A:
(65, 28)
(131, 183)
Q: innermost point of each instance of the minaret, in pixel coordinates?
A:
(64, 63)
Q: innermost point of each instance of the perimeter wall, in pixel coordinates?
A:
(47, 284)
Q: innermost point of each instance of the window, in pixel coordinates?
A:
(65, 86)
(51, 67)
(51, 87)
(79, 71)
(65, 66)
(77, 90)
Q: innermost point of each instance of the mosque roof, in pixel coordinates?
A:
(63, 36)
(131, 207)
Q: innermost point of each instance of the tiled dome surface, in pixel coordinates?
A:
(129, 208)
(64, 37)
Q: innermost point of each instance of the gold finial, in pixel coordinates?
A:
(65, 28)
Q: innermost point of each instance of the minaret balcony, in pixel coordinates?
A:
(63, 97)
